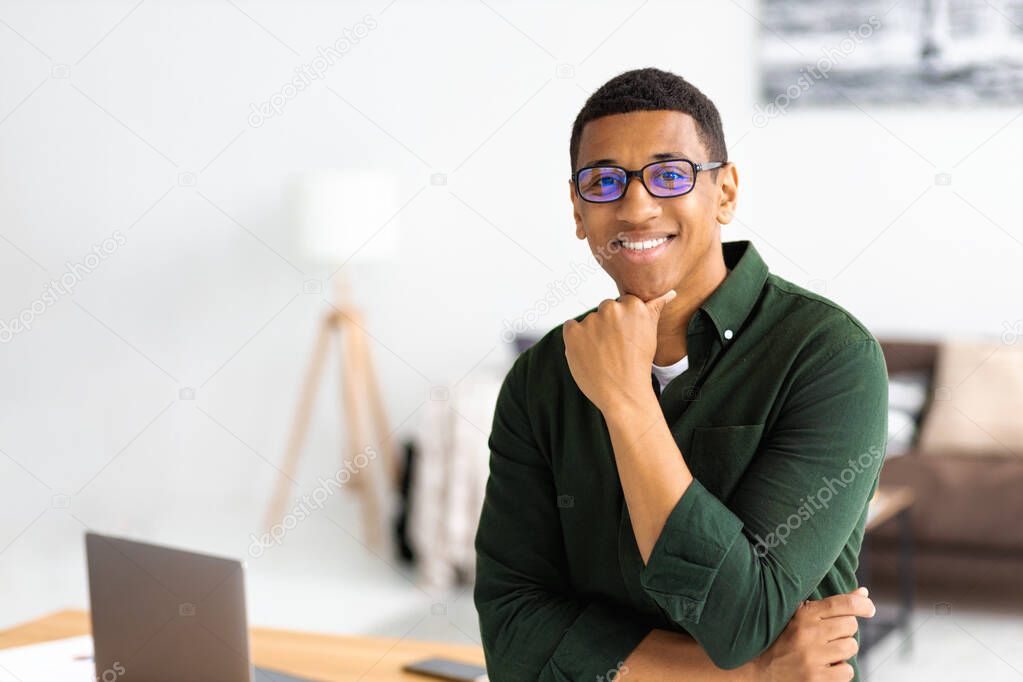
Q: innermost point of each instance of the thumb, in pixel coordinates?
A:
(656, 305)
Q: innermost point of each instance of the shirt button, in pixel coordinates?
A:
(728, 333)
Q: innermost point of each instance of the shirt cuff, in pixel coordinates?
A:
(685, 559)
(595, 645)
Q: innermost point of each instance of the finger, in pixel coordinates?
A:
(838, 627)
(840, 650)
(843, 605)
(843, 672)
(656, 305)
(847, 604)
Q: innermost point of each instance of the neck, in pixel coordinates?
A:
(691, 293)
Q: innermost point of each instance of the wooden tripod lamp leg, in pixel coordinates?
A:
(300, 425)
(362, 416)
(383, 430)
(355, 415)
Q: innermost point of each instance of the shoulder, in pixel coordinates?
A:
(820, 326)
(540, 378)
(836, 374)
(545, 359)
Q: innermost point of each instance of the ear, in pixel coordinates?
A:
(728, 193)
(580, 231)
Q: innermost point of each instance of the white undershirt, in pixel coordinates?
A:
(666, 374)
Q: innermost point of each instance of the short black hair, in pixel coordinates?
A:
(652, 89)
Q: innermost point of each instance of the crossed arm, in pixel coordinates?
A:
(707, 564)
(702, 565)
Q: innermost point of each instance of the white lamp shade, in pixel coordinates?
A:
(346, 216)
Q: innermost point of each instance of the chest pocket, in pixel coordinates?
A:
(719, 455)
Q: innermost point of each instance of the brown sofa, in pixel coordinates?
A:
(968, 515)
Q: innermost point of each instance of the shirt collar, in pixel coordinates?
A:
(730, 304)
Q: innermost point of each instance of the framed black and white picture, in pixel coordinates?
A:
(824, 53)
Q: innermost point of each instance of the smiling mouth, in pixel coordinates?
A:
(643, 245)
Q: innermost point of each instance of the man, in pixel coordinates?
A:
(679, 477)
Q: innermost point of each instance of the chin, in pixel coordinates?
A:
(645, 290)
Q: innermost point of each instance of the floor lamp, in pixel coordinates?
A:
(340, 217)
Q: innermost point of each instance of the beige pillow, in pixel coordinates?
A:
(977, 406)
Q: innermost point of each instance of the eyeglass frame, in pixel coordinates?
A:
(629, 174)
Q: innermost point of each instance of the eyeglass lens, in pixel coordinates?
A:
(662, 179)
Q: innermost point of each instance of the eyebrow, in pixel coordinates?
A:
(661, 156)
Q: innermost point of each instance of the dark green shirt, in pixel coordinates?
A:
(782, 419)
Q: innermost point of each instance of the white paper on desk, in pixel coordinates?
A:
(62, 660)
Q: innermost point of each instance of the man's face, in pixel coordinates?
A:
(691, 221)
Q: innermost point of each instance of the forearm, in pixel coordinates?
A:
(658, 487)
(667, 655)
(728, 574)
(651, 468)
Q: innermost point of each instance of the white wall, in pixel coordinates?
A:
(206, 291)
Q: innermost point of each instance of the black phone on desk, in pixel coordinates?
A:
(444, 669)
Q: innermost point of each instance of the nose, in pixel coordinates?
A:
(637, 206)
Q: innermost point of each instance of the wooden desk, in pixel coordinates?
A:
(306, 654)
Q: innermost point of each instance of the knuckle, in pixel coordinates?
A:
(845, 648)
(803, 639)
(801, 627)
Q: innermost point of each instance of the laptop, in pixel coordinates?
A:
(166, 615)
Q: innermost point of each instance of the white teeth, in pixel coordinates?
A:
(643, 246)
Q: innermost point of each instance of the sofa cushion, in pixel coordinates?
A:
(963, 502)
(977, 401)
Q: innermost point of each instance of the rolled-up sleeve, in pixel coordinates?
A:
(733, 574)
(532, 625)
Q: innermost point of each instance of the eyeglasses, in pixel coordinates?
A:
(663, 179)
